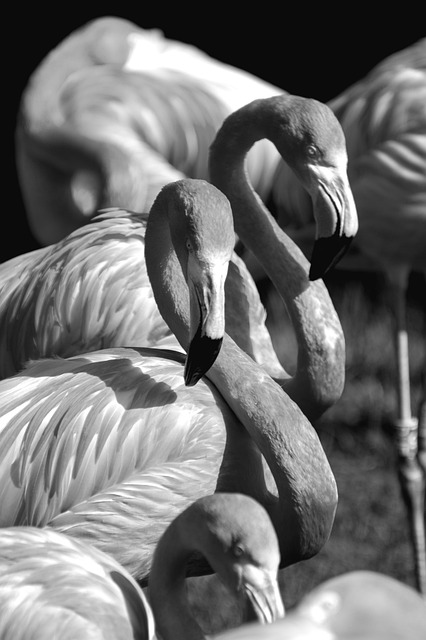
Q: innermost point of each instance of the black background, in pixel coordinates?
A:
(312, 54)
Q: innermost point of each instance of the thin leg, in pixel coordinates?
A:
(421, 440)
(422, 431)
(411, 474)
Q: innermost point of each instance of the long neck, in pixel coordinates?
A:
(307, 496)
(167, 591)
(166, 276)
(319, 379)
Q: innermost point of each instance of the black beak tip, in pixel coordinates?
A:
(192, 377)
(327, 252)
(202, 353)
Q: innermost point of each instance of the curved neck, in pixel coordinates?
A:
(167, 587)
(319, 379)
(307, 496)
(166, 276)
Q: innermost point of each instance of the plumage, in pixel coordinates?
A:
(91, 289)
(114, 113)
(360, 605)
(120, 489)
(52, 585)
(383, 117)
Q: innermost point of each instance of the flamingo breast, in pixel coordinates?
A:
(108, 445)
(89, 291)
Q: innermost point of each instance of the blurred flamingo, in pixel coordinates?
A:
(59, 586)
(111, 445)
(359, 605)
(114, 113)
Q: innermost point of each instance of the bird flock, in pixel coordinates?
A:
(149, 433)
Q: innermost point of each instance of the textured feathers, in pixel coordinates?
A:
(53, 586)
(151, 107)
(109, 445)
(383, 117)
(91, 291)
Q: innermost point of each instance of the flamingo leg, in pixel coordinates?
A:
(422, 429)
(421, 439)
(408, 436)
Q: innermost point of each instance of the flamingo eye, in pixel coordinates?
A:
(237, 550)
(189, 245)
(312, 151)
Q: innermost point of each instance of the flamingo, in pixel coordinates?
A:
(96, 273)
(359, 605)
(114, 113)
(91, 290)
(111, 445)
(383, 117)
(55, 585)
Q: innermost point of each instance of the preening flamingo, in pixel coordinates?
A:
(56, 586)
(109, 446)
(360, 605)
(383, 117)
(114, 113)
(97, 274)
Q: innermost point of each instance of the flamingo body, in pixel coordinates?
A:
(384, 119)
(360, 605)
(57, 587)
(114, 100)
(135, 446)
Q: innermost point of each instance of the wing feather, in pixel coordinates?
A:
(72, 429)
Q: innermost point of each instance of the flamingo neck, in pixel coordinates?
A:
(319, 379)
(167, 588)
(166, 276)
(307, 496)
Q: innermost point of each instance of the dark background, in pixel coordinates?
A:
(315, 55)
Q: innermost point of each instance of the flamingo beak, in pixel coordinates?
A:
(326, 253)
(263, 597)
(202, 353)
(207, 309)
(336, 217)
